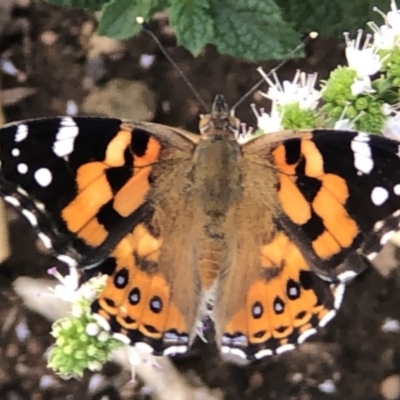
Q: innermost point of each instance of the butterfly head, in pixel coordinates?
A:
(219, 121)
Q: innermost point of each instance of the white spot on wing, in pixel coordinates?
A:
(22, 168)
(64, 143)
(362, 153)
(338, 294)
(22, 191)
(379, 195)
(396, 190)
(12, 200)
(45, 239)
(325, 319)
(122, 338)
(30, 217)
(378, 225)
(43, 177)
(22, 133)
(39, 206)
(15, 152)
(305, 335)
(263, 353)
(285, 348)
(232, 350)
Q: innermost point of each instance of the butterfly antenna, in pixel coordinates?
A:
(311, 35)
(146, 28)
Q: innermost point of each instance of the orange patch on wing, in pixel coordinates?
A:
(93, 233)
(133, 194)
(325, 245)
(293, 203)
(272, 253)
(279, 155)
(329, 205)
(145, 244)
(89, 173)
(116, 148)
(314, 162)
(93, 192)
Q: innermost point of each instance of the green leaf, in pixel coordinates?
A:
(331, 18)
(93, 5)
(118, 19)
(252, 29)
(192, 23)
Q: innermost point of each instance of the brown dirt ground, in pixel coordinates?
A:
(353, 352)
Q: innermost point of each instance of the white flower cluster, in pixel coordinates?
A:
(364, 56)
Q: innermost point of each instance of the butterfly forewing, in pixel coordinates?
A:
(339, 190)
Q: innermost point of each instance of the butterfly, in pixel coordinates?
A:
(259, 237)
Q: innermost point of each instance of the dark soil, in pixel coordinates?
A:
(353, 356)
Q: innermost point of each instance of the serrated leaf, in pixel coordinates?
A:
(331, 18)
(192, 23)
(252, 29)
(93, 5)
(118, 18)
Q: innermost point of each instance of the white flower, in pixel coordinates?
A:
(392, 127)
(393, 17)
(140, 354)
(271, 122)
(343, 125)
(346, 124)
(92, 329)
(387, 36)
(364, 59)
(244, 134)
(361, 85)
(67, 288)
(386, 109)
(301, 90)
